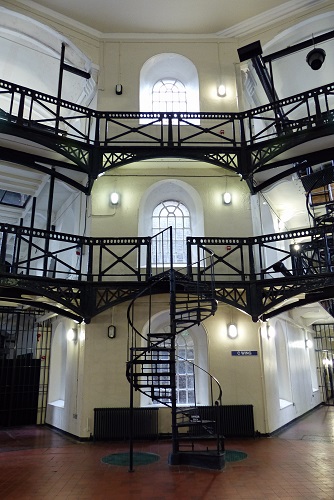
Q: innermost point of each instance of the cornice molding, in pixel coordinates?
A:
(270, 17)
(251, 25)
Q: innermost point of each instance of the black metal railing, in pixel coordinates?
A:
(48, 254)
(44, 113)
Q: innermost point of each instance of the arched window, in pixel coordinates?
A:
(191, 355)
(175, 214)
(283, 369)
(169, 95)
(184, 369)
(169, 82)
(57, 384)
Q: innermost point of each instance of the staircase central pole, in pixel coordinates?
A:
(175, 442)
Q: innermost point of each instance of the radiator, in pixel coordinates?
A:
(235, 420)
(114, 423)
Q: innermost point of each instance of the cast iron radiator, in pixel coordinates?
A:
(114, 423)
(235, 420)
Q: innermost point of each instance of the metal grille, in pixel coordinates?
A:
(24, 367)
(324, 349)
(235, 420)
(114, 423)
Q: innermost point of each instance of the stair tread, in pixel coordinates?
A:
(151, 362)
(150, 348)
(194, 423)
(201, 437)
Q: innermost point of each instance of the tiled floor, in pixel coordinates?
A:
(38, 463)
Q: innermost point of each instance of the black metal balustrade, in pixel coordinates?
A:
(34, 109)
(253, 273)
(41, 253)
(96, 141)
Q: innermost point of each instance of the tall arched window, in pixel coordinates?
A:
(170, 213)
(171, 78)
(169, 95)
(283, 369)
(191, 353)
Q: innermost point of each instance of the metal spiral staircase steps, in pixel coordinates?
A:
(151, 370)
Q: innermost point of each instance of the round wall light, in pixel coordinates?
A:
(232, 331)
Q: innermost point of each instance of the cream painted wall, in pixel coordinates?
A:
(304, 398)
(69, 416)
(123, 60)
(131, 183)
(105, 382)
(96, 369)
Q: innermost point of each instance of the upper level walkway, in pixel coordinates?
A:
(79, 277)
(252, 143)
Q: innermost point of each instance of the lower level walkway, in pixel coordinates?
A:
(39, 463)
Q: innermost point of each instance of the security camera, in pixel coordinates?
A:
(315, 58)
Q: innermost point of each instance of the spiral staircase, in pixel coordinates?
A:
(319, 187)
(152, 368)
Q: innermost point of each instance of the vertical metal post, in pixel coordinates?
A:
(170, 129)
(148, 259)
(131, 469)
(189, 260)
(32, 223)
(60, 83)
(48, 224)
(175, 442)
(318, 114)
(251, 260)
(3, 251)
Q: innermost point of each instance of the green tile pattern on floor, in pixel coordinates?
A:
(139, 458)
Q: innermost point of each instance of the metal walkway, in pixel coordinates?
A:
(81, 277)
(92, 142)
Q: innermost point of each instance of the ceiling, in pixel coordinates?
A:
(175, 16)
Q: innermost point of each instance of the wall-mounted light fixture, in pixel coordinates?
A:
(232, 330)
(114, 198)
(221, 90)
(308, 343)
(119, 89)
(316, 58)
(111, 331)
(72, 334)
(227, 198)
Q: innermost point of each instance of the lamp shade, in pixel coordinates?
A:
(114, 198)
(227, 198)
(232, 330)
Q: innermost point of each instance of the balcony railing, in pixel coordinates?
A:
(39, 253)
(40, 112)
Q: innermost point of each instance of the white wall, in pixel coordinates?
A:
(304, 397)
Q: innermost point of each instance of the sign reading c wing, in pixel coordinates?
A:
(244, 353)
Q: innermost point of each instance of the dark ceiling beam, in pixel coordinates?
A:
(39, 163)
(299, 46)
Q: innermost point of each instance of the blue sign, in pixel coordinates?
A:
(244, 353)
